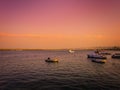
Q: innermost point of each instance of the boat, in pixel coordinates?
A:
(102, 52)
(105, 53)
(116, 55)
(98, 60)
(71, 51)
(96, 51)
(96, 56)
(51, 60)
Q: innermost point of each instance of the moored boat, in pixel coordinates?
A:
(98, 60)
(102, 52)
(96, 56)
(71, 51)
(51, 60)
(116, 55)
(105, 53)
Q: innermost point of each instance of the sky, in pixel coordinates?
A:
(59, 24)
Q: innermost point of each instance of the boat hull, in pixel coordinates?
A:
(98, 61)
(96, 57)
(105, 53)
(51, 60)
(117, 57)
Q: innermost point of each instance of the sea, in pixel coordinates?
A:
(27, 70)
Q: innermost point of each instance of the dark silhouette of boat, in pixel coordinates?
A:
(96, 56)
(116, 55)
(51, 60)
(98, 60)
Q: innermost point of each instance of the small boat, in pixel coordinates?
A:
(98, 60)
(71, 51)
(116, 55)
(51, 60)
(105, 53)
(96, 51)
(102, 52)
(96, 56)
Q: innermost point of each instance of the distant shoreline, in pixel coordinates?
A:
(109, 48)
(39, 49)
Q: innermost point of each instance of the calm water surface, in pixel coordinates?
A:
(27, 70)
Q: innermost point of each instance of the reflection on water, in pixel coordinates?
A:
(27, 70)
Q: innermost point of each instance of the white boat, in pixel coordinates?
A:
(96, 56)
(71, 51)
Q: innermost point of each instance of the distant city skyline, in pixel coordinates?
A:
(57, 24)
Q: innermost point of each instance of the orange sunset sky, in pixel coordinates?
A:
(57, 24)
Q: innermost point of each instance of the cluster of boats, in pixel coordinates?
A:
(97, 56)
(100, 57)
